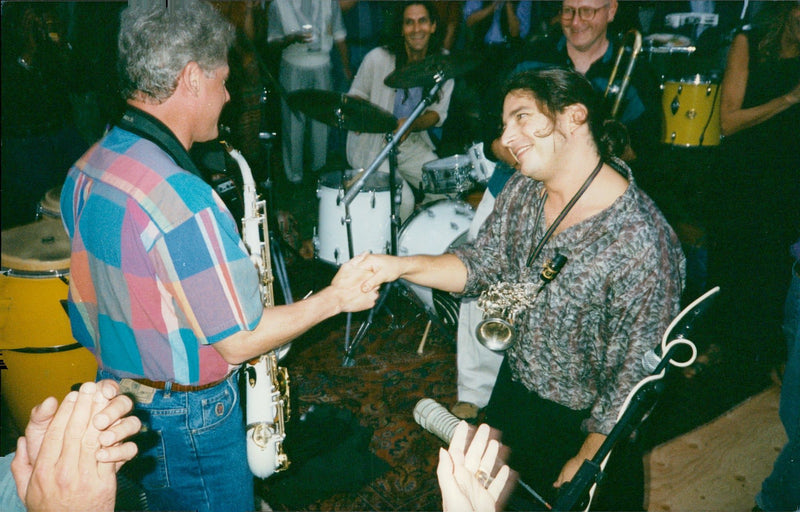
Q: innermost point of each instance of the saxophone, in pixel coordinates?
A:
(267, 405)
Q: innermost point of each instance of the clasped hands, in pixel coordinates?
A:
(359, 279)
(70, 454)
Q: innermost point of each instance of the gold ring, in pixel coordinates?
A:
(484, 478)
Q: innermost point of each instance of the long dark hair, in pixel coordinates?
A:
(554, 89)
(769, 24)
(396, 44)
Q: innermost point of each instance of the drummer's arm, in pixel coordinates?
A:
(733, 117)
(426, 120)
(445, 272)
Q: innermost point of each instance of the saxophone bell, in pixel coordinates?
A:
(502, 302)
(496, 333)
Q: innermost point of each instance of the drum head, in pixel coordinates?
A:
(50, 204)
(666, 42)
(41, 246)
(377, 181)
(451, 162)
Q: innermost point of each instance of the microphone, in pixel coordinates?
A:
(433, 417)
(651, 360)
(436, 419)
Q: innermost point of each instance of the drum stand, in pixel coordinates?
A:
(390, 151)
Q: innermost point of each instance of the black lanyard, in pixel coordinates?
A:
(146, 126)
(561, 215)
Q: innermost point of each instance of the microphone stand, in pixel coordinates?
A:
(575, 495)
(349, 347)
(390, 151)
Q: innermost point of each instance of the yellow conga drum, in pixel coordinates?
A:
(40, 355)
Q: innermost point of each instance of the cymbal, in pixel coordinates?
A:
(342, 111)
(423, 72)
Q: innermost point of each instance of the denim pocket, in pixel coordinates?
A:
(217, 407)
(153, 462)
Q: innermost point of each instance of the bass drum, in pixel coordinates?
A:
(434, 229)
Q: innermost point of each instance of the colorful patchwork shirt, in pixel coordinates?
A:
(158, 270)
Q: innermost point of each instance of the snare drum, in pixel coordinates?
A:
(50, 205)
(434, 229)
(370, 216)
(691, 112)
(451, 175)
(41, 357)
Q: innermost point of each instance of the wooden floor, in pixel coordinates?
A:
(718, 466)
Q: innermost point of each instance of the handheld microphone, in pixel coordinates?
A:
(433, 417)
(436, 419)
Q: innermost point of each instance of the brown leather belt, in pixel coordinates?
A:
(181, 388)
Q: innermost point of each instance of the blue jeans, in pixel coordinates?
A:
(193, 454)
(781, 489)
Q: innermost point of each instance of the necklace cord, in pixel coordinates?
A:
(563, 214)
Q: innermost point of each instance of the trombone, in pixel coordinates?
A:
(633, 37)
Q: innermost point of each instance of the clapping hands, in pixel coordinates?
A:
(70, 454)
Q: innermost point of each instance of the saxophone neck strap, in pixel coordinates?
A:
(549, 233)
(144, 125)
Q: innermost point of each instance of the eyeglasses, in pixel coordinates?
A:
(585, 13)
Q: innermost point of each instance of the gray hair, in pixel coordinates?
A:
(155, 44)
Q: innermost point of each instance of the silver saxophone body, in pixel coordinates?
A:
(267, 407)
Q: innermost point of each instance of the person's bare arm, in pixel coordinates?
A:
(513, 20)
(733, 118)
(281, 324)
(588, 450)
(445, 272)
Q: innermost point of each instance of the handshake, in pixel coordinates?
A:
(357, 282)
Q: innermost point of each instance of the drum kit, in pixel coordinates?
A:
(40, 355)
(358, 208)
(690, 100)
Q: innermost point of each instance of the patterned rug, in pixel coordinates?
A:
(379, 393)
